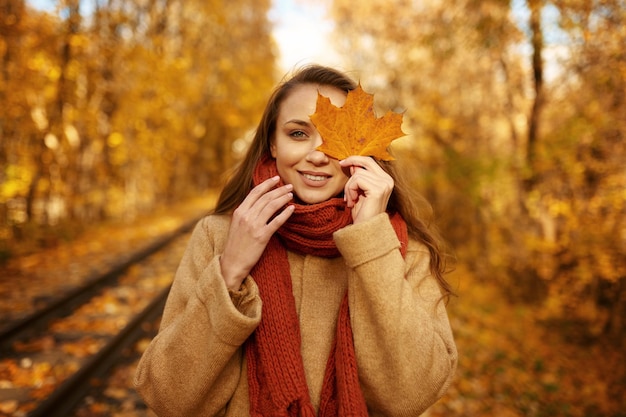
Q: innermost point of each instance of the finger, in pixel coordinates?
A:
(371, 169)
(267, 204)
(259, 191)
(351, 191)
(255, 214)
(368, 184)
(273, 206)
(365, 162)
(281, 218)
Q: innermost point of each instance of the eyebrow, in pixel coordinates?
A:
(298, 122)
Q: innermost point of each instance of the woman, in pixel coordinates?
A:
(313, 289)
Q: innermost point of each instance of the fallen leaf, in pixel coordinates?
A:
(116, 393)
(354, 129)
(8, 407)
(41, 344)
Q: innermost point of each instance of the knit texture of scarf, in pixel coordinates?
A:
(276, 377)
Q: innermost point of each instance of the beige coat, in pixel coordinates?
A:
(405, 351)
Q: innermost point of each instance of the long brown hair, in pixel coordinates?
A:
(404, 199)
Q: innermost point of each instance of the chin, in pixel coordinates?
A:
(309, 199)
(314, 198)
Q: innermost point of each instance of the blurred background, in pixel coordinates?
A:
(112, 110)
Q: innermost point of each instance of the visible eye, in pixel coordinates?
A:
(298, 134)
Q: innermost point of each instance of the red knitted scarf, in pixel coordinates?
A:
(276, 379)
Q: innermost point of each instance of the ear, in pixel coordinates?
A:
(273, 149)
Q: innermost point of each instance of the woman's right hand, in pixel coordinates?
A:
(251, 229)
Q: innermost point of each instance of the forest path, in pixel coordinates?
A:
(31, 281)
(512, 365)
(509, 363)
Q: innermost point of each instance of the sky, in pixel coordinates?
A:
(301, 30)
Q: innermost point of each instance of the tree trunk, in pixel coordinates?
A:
(535, 7)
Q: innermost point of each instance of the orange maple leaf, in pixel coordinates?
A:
(354, 129)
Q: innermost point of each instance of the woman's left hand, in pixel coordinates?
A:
(368, 189)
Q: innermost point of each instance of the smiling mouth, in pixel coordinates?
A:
(315, 177)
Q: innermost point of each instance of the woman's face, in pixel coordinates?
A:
(315, 176)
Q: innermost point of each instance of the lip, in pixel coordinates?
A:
(314, 179)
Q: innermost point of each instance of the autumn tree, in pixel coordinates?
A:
(453, 68)
(119, 106)
(515, 136)
(26, 88)
(582, 151)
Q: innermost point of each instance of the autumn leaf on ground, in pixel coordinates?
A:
(354, 129)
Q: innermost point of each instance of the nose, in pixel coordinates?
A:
(317, 157)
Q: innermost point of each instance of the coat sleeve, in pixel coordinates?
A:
(193, 365)
(406, 355)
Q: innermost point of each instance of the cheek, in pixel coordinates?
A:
(284, 162)
(340, 174)
(288, 155)
(343, 178)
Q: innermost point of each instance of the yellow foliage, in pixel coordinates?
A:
(115, 139)
(18, 178)
(511, 364)
(542, 215)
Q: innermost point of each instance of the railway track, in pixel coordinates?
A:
(52, 357)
